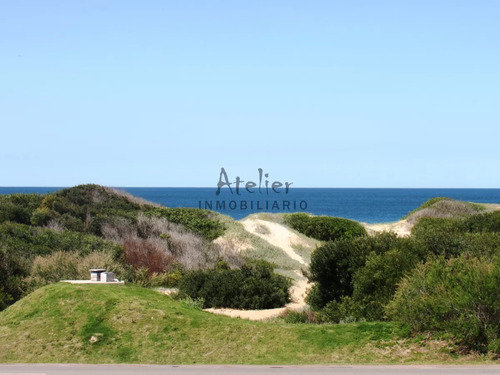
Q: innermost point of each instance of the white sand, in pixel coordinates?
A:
(402, 228)
(278, 235)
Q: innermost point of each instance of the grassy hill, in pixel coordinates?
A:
(98, 226)
(442, 207)
(109, 324)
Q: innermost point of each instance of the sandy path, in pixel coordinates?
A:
(278, 235)
(283, 238)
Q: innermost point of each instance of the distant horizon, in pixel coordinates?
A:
(215, 188)
(371, 205)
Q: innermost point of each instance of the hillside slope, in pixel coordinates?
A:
(109, 324)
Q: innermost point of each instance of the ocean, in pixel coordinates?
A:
(365, 205)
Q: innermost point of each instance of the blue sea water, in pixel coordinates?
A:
(366, 205)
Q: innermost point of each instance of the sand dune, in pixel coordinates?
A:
(402, 228)
(284, 238)
(276, 234)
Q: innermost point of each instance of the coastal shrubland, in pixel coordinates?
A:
(439, 283)
(456, 297)
(442, 280)
(44, 238)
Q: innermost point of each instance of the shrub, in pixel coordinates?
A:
(334, 264)
(324, 228)
(487, 222)
(165, 279)
(201, 222)
(298, 317)
(186, 247)
(342, 311)
(13, 267)
(196, 303)
(457, 296)
(254, 286)
(30, 241)
(375, 283)
(147, 254)
(475, 235)
(18, 207)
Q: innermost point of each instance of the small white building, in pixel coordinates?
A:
(98, 276)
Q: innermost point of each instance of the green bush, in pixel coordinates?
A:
(202, 222)
(486, 222)
(334, 264)
(475, 235)
(345, 310)
(13, 268)
(299, 317)
(324, 228)
(254, 286)
(30, 241)
(21, 244)
(456, 296)
(375, 283)
(18, 208)
(196, 304)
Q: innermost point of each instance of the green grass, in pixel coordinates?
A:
(109, 324)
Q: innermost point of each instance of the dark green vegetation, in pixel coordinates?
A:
(443, 279)
(458, 297)
(45, 238)
(108, 324)
(87, 208)
(324, 228)
(440, 286)
(253, 286)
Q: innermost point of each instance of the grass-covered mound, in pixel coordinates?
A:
(109, 324)
(442, 207)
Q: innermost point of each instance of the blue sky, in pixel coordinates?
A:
(321, 93)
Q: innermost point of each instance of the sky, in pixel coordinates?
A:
(318, 93)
